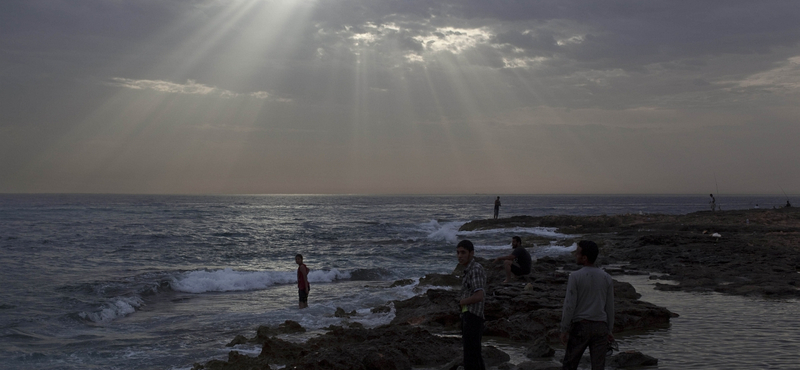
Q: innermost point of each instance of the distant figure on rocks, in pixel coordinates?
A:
(788, 205)
(713, 202)
(588, 316)
(471, 301)
(302, 280)
(496, 207)
(518, 262)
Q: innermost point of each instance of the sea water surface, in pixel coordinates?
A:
(162, 282)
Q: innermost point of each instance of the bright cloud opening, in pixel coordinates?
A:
(191, 87)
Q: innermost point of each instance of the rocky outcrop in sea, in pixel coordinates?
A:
(751, 252)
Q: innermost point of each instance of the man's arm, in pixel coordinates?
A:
(570, 302)
(508, 257)
(476, 297)
(305, 277)
(610, 306)
(477, 282)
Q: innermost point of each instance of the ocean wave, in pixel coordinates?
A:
(231, 234)
(506, 247)
(446, 231)
(117, 307)
(554, 250)
(540, 231)
(449, 231)
(229, 280)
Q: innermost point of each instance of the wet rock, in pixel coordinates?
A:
(540, 349)
(492, 356)
(632, 359)
(441, 280)
(288, 327)
(349, 325)
(340, 312)
(236, 361)
(240, 339)
(520, 327)
(381, 309)
(282, 351)
(390, 359)
(625, 291)
(402, 282)
(437, 307)
(531, 365)
(401, 344)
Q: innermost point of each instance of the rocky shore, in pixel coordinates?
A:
(753, 252)
(750, 252)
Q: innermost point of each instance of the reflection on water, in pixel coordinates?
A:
(716, 331)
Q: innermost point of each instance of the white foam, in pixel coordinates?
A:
(229, 280)
(554, 250)
(494, 247)
(119, 307)
(447, 231)
(541, 231)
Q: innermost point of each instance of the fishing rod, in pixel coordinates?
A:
(717, 186)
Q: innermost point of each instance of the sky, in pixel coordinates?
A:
(399, 96)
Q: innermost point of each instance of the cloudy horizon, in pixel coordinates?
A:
(399, 97)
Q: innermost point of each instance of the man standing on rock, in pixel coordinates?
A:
(518, 262)
(588, 316)
(496, 207)
(303, 285)
(471, 303)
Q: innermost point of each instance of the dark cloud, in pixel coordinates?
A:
(380, 70)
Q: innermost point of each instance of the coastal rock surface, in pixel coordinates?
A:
(425, 330)
(752, 252)
(749, 252)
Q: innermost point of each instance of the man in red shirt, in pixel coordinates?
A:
(302, 280)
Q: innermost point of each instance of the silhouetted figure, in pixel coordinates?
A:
(473, 284)
(496, 207)
(303, 286)
(588, 315)
(713, 202)
(788, 205)
(518, 262)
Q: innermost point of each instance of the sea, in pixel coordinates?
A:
(166, 281)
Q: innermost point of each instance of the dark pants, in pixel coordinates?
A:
(582, 334)
(471, 333)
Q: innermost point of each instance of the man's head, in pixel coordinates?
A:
(516, 242)
(465, 250)
(586, 253)
(298, 258)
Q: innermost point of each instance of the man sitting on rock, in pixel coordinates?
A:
(518, 262)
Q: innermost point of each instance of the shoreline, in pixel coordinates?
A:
(755, 254)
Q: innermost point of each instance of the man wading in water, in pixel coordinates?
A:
(302, 280)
